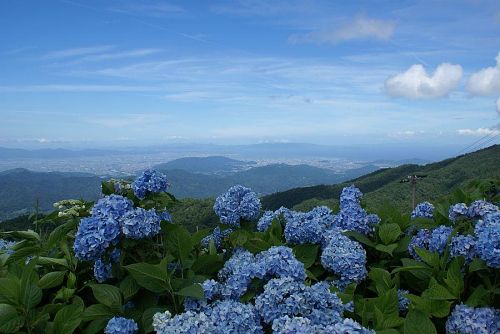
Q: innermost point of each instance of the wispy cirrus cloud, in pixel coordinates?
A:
(359, 28)
(150, 8)
(68, 88)
(479, 131)
(75, 52)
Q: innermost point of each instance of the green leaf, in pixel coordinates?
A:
(106, 294)
(207, 264)
(149, 276)
(382, 279)
(389, 233)
(386, 249)
(437, 292)
(9, 291)
(440, 308)
(476, 265)
(306, 254)
(128, 287)
(417, 322)
(31, 295)
(454, 279)
(96, 326)
(67, 319)
(194, 291)
(360, 237)
(147, 317)
(178, 242)
(10, 320)
(25, 235)
(52, 279)
(478, 297)
(97, 311)
(59, 233)
(431, 258)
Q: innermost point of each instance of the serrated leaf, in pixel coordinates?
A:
(97, 311)
(193, 291)
(437, 292)
(178, 242)
(67, 319)
(128, 287)
(416, 322)
(306, 254)
(9, 291)
(389, 232)
(386, 249)
(149, 276)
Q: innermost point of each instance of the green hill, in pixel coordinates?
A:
(205, 165)
(384, 185)
(21, 190)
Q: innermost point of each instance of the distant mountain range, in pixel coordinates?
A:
(20, 189)
(384, 185)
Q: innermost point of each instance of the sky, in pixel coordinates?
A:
(128, 73)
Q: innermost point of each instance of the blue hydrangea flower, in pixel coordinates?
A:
(140, 223)
(211, 289)
(352, 217)
(265, 221)
(94, 235)
(348, 326)
(288, 297)
(119, 325)
(166, 216)
(439, 238)
(325, 216)
(278, 261)
(6, 246)
(237, 203)
(469, 320)
(189, 322)
(232, 317)
(403, 302)
(479, 209)
(303, 228)
(488, 239)
(457, 211)
(423, 210)
(420, 240)
(217, 236)
(463, 245)
(300, 325)
(346, 258)
(112, 206)
(150, 181)
(102, 271)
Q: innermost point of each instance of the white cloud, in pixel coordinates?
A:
(479, 132)
(415, 83)
(486, 81)
(360, 28)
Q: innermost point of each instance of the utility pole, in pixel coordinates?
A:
(412, 179)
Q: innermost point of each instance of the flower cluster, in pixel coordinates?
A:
(423, 210)
(300, 325)
(150, 181)
(216, 236)
(345, 257)
(352, 217)
(119, 325)
(237, 203)
(488, 239)
(102, 271)
(479, 209)
(469, 320)
(457, 211)
(69, 207)
(267, 218)
(420, 240)
(463, 245)
(439, 238)
(403, 302)
(139, 223)
(227, 316)
(6, 246)
(288, 297)
(242, 267)
(303, 228)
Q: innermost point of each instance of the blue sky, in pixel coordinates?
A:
(96, 73)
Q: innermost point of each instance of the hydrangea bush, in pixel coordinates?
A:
(121, 265)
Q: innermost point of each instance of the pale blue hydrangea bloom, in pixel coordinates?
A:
(458, 211)
(303, 228)
(288, 297)
(488, 239)
(266, 220)
(217, 236)
(346, 258)
(189, 322)
(469, 320)
(479, 209)
(300, 325)
(352, 217)
(150, 181)
(403, 302)
(112, 206)
(420, 240)
(237, 203)
(119, 325)
(102, 271)
(211, 290)
(439, 238)
(423, 210)
(6, 246)
(463, 245)
(140, 223)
